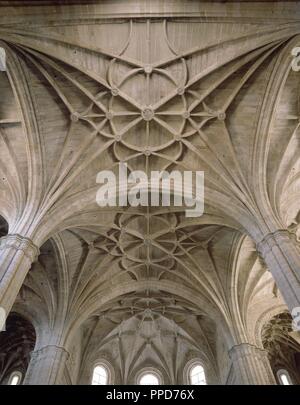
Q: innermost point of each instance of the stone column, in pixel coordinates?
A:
(251, 365)
(47, 366)
(281, 253)
(17, 253)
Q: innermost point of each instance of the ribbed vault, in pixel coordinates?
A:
(160, 94)
(283, 349)
(163, 106)
(16, 344)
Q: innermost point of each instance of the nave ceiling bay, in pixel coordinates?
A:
(229, 107)
(161, 94)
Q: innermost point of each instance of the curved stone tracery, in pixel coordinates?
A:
(144, 325)
(283, 349)
(168, 122)
(156, 93)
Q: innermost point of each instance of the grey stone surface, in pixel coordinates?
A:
(161, 85)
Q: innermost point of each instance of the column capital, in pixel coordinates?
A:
(245, 350)
(49, 350)
(19, 242)
(47, 365)
(251, 364)
(275, 238)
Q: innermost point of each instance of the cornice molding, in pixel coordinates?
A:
(17, 12)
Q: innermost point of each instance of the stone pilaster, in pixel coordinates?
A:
(251, 365)
(17, 253)
(281, 253)
(47, 366)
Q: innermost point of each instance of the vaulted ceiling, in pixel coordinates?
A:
(157, 94)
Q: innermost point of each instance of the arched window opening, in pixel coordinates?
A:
(149, 379)
(100, 375)
(149, 376)
(197, 375)
(284, 377)
(15, 378)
